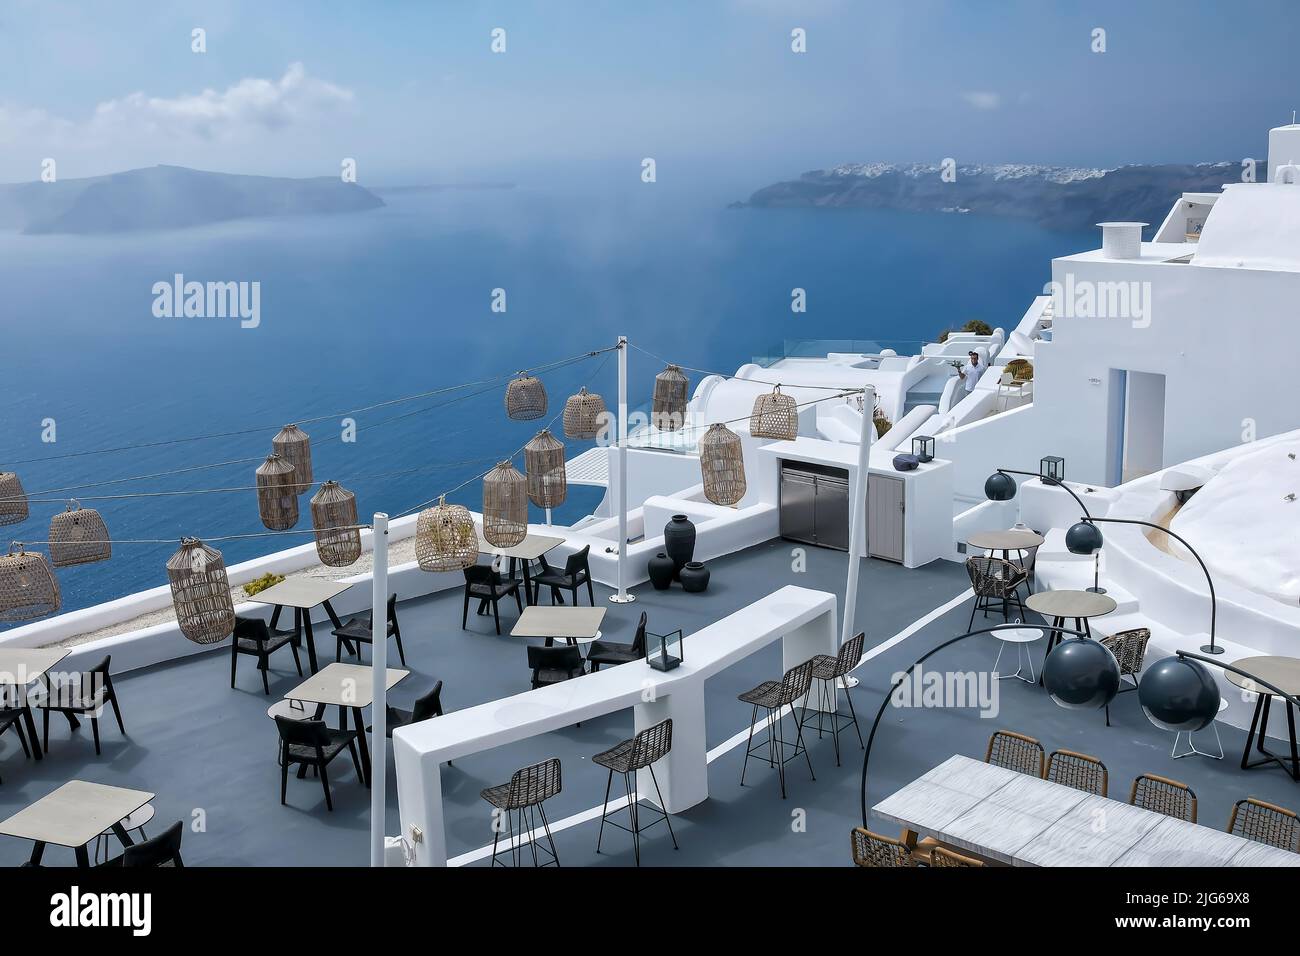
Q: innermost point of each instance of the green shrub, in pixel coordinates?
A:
(258, 585)
(978, 326)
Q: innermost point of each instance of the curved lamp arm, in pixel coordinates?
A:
(866, 757)
(1049, 481)
(1214, 603)
(1237, 670)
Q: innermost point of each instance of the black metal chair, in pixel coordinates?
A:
(551, 665)
(608, 652)
(13, 715)
(627, 757)
(995, 582)
(522, 800)
(487, 585)
(357, 629)
(577, 572)
(73, 698)
(253, 637)
(773, 696)
(829, 672)
(312, 744)
(162, 850)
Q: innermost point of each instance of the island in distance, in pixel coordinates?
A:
(1059, 197)
(169, 197)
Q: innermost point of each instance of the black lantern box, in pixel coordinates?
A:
(664, 652)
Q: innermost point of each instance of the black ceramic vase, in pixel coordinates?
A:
(662, 569)
(679, 542)
(695, 577)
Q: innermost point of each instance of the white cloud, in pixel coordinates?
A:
(982, 99)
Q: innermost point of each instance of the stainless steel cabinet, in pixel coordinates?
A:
(814, 504)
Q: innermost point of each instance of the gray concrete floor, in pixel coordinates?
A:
(209, 753)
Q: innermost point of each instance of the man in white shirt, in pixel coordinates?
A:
(972, 372)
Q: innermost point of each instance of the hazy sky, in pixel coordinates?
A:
(585, 90)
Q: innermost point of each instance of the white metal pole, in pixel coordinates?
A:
(858, 529)
(379, 691)
(622, 597)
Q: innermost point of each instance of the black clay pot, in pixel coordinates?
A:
(694, 577)
(679, 542)
(662, 569)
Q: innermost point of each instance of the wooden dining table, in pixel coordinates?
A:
(1065, 604)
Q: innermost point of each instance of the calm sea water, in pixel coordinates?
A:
(361, 308)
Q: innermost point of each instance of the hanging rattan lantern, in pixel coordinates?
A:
(775, 416)
(544, 464)
(78, 536)
(525, 398)
(277, 495)
(505, 506)
(445, 538)
(723, 465)
(28, 587)
(334, 516)
(583, 414)
(13, 500)
(668, 411)
(294, 446)
(201, 592)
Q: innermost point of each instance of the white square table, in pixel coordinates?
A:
(572, 624)
(347, 687)
(73, 815)
(19, 668)
(303, 594)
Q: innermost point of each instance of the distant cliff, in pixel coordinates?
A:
(170, 197)
(1061, 197)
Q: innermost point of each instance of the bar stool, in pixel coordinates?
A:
(522, 798)
(639, 753)
(772, 696)
(828, 672)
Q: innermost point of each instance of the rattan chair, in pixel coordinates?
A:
(829, 672)
(639, 753)
(1130, 650)
(1079, 771)
(358, 629)
(522, 801)
(1162, 795)
(487, 585)
(773, 697)
(310, 743)
(873, 849)
(82, 695)
(941, 856)
(253, 637)
(995, 582)
(1263, 822)
(1017, 752)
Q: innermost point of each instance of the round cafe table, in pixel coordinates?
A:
(1061, 605)
(1013, 539)
(1283, 673)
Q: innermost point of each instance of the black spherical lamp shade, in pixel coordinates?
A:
(1080, 674)
(1084, 537)
(1178, 694)
(999, 487)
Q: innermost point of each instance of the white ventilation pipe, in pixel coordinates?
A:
(1121, 240)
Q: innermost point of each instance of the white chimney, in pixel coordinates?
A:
(1121, 240)
(1283, 148)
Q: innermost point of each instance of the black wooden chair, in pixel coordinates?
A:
(312, 744)
(551, 665)
(162, 850)
(430, 705)
(253, 637)
(487, 585)
(84, 695)
(608, 652)
(577, 572)
(14, 716)
(357, 629)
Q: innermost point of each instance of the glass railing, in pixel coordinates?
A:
(820, 348)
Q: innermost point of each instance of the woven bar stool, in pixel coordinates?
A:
(639, 753)
(772, 696)
(521, 799)
(828, 672)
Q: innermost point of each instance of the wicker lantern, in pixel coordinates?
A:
(201, 592)
(294, 446)
(774, 416)
(445, 539)
(668, 411)
(13, 500)
(78, 536)
(28, 587)
(583, 415)
(505, 506)
(525, 398)
(277, 494)
(723, 465)
(334, 516)
(544, 465)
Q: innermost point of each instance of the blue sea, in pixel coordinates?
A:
(362, 308)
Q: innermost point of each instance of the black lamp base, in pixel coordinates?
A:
(1211, 649)
(1096, 590)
